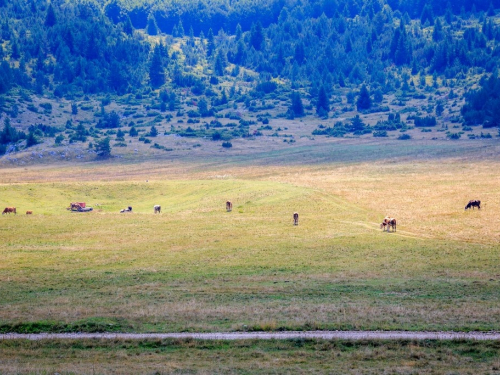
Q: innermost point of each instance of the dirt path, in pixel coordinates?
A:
(325, 335)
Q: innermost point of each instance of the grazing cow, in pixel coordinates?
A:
(295, 218)
(157, 208)
(29, 212)
(388, 223)
(473, 203)
(229, 206)
(125, 210)
(9, 210)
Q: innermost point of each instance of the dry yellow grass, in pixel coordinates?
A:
(196, 267)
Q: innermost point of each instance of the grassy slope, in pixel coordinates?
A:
(196, 267)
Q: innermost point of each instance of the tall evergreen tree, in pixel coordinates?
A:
(50, 18)
(427, 15)
(300, 53)
(297, 106)
(156, 69)
(256, 35)
(438, 34)
(152, 27)
(180, 29)
(220, 63)
(9, 134)
(238, 33)
(322, 105)
(128, 28)
(364, 100)
(210, 43)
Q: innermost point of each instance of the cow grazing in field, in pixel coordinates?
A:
(229, 206)
(125, 210)
(157, 209)
(295, 218)
(29, 212)
(388, 223)
(473, 203)
(9, 210)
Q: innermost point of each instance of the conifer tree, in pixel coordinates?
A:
(103, 148)
(220, 63)
(50, 18)
(322, 105)
(364, 100)
(156, 69)
(256, 35)
(180, 29)
(152, 27)
(299, 53)
(438, 34)
(238, 33)
(297, 106)
(210, 43)
(128, 28)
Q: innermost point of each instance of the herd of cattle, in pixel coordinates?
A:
(387, 224)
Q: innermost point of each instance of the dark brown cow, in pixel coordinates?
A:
(295, 218)
(9, 210)
(473, 203)
(29, 212)
(229, 206)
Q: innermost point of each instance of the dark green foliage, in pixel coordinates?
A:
(9, 134)
(220, 63)
(31, 140)
(210, 43)
(267, 87)
(427, 15)
(153, 132)
(364, 99)
(203, 108)
(109, 121)
(297, 107)
(152, 28)
(483, 106)
(322, 104)
(50, 19)
(58, 140)
(103, 148)
(133, 132)
(257, 35)
(156, 69)
(425, 122)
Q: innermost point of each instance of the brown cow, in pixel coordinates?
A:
(473, 203)
(8, 210)
(229, 206)
(29, 212)
(388, 223)
(295, 218)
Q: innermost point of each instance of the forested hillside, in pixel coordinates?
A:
(343, 60)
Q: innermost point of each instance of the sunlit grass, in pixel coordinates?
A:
(197, 267)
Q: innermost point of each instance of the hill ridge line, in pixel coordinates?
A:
(323, 335)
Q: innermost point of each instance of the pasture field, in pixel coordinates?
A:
(248, 357)
(197, 268)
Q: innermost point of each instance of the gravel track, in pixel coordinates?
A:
(324, 335)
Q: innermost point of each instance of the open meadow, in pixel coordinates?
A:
(196, 267)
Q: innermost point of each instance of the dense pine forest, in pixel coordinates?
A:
(97, 72)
